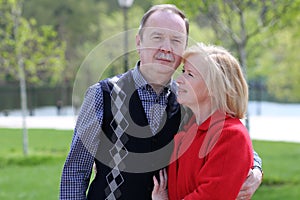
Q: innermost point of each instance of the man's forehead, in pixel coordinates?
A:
(163, 31)
(166, 19)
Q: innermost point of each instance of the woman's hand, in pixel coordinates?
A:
(160, 191)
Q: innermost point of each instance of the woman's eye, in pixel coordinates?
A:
(189, 73)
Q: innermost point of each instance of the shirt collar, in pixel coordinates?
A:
(140, 81)
(138, 77)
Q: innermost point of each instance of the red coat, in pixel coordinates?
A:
(213, 160)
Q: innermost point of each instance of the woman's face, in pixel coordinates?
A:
(192, 87)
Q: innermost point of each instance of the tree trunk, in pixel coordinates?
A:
(17, 15)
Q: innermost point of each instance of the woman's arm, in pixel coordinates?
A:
(160, 191)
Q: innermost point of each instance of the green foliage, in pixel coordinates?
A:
(37, 46)
(261, 31)
(280, 63)
(266, 31)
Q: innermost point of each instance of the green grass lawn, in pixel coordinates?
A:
(281, 165)
(37, 176)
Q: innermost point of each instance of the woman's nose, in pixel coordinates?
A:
(180, 79)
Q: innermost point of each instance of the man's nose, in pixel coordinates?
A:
(166, 46)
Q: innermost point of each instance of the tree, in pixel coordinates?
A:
(249, 28)
(235, 22)
(82, 24)
(75, 23)
(281, 65)
(27, 53)
(42, 53)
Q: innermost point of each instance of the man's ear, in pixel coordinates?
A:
(138, 42)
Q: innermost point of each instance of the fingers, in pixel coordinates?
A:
(243, 198)
(245, 188)
(162, 178)
(248, 187)
(159, 191)
(165, 174)
(250, 172)
(244, 195)
(156, 184)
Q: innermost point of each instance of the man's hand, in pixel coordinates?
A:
(251, 184)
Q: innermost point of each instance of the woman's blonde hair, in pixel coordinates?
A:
(225, 80)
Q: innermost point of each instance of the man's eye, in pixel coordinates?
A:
(156, 38)
(182, 70)
(177, 41)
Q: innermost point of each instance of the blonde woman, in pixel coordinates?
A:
(212, 157)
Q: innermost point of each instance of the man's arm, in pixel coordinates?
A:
(253, 180)
(76, 172)
(257, 161)
(77, 169)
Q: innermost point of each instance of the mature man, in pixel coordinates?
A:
(127, 123)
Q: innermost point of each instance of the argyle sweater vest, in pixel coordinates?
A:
(143, 153)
